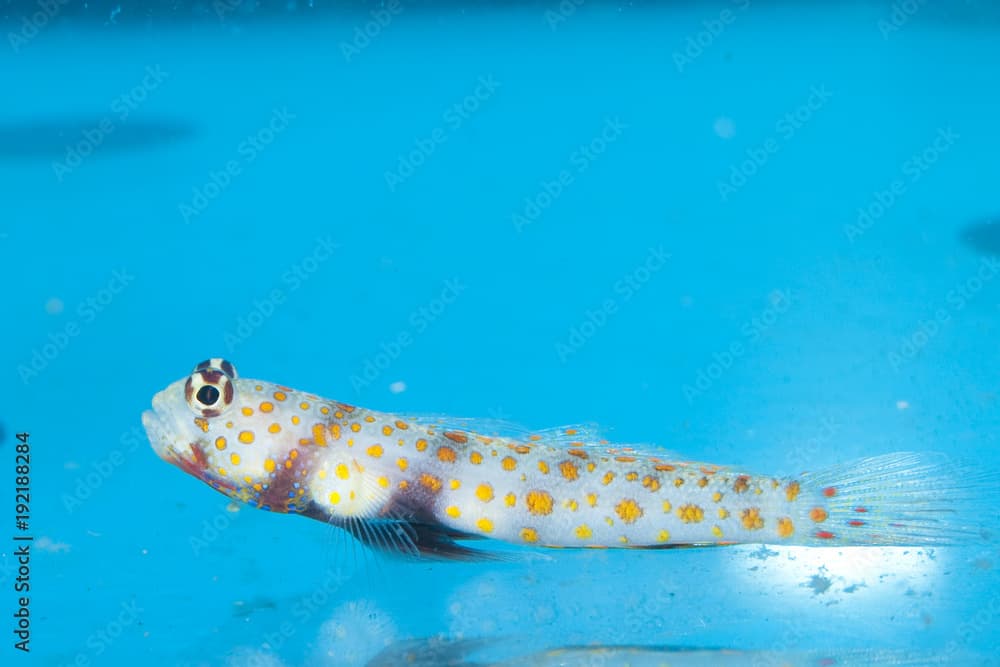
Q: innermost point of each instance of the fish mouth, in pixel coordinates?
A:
(158, 429)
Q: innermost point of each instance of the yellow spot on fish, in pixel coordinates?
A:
(246, 437)
(334, 497)
(544, 467)
(325, 410)
(383, 481)
(319, 435)
(402, 463)
(446, 454)
(421, 445)
(304, 405)
(569, 470)
(454, 484)
(679, 482)
(266, 406)
(386, 430)
(475, 458)
(220, 443)
(663, 536)
(234, 458)
(703, 482)
(591, 466)
(628, 510)
(521, 449)
(269, 465)
(632, 476)
(651, 483)
(750, 518)
(274, 428)
(401, 425)
(296, 420)
(667, 506)
(716, 497)
(592, 499)
(485, 525)
(608, 477)
(690, 513)
(404, 485)
(201, 423)
(571, 505)
(370, 419)
(484, 492)
(716, 531)
(510, 499)
(584, 532)
(539, 502)
(335, 431)
(342, 471)
(508, 463)
(529, 534)
(279, 396)
(452, 511)
(785, 527)
(723, 513)
(792, 491)
(375, 451)
(355, 427)
(322, 473)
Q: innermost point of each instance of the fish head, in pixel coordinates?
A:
(242, 437)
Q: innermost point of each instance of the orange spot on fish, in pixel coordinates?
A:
(792, 491)
(818, 514)
(446, 454)
(741, 484)
(625, 459)
(829, 492)
(456, 436)
(664, 467)
(824, 535)
(579, 453)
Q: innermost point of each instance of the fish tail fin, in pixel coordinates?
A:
(902, 499)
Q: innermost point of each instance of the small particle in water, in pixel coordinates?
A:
(982, 564)
(724, 127)
(902, 405)
(397, 387)
(54, 306)
(819, 584)
(48, 544)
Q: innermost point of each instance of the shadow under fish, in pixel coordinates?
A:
(983, 236)
(437, 652)
(81, 137)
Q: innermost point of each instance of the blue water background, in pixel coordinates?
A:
(784, 332)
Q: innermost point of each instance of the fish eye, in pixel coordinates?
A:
(210, 390)
(208, 395)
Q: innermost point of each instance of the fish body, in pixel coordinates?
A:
(416, 485)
